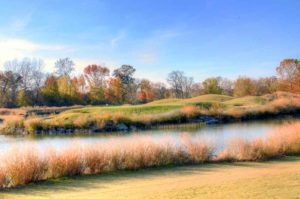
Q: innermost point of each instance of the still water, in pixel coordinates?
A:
(219, 135)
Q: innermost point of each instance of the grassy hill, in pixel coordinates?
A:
(162, 111)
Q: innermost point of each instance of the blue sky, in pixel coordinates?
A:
(201, 37)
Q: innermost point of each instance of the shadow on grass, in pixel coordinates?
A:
(101, 180)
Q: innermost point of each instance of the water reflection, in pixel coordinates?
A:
(219, 135)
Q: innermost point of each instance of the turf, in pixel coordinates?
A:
(247, 101)
(166, 105)
(274, 179)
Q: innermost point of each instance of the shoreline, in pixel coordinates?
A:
(198, 121)
(94, 119)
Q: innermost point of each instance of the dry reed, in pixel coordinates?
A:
(20, 166)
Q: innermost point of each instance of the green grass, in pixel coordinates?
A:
(247, 101)
(274, 179)
(203, 98)
(156, 107)
(127, 110)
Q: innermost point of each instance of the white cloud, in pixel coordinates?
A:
(11, 48)
(25, 45)
(15, 48)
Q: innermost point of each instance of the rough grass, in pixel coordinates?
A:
(21, 166)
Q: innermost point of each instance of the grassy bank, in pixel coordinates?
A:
(206, 109)
(21, 166)
(274, 179)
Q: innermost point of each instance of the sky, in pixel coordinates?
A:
(203, 38)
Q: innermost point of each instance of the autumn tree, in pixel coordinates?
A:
(289, 73)
(211, 86)
(96, 77)
(146, 91)
(23, 99)
(9, 84)
(82, 85)
(266, 85)
(128, 86)
(244, 86)
(50, 92)
(113, 93)
(75, 94)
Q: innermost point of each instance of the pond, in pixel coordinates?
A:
(219, 135)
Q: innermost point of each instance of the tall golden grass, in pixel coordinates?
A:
(20, 166)
(282, 141)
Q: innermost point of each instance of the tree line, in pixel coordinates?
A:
(23, 83)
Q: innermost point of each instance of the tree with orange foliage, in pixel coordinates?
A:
(50, 92)
(289, 72)
(82, 84)
(244, 86)
(96, 77)
(146, 92)
(128, 86)
(113, 93)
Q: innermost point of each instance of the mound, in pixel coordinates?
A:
(247, 101)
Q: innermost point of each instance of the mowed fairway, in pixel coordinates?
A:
(274, 179)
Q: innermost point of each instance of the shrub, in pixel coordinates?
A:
(33, 124)
(23, 166)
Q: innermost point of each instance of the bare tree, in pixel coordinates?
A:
(64, 67)
(181, 85)
(29, 69)
(226, 85)
(187, 86)
(32, 76)
(160, 90)
(197, 89)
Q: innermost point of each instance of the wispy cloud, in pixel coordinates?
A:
(114, 41)
(147, 57)
(151, 48)
(20, 23)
